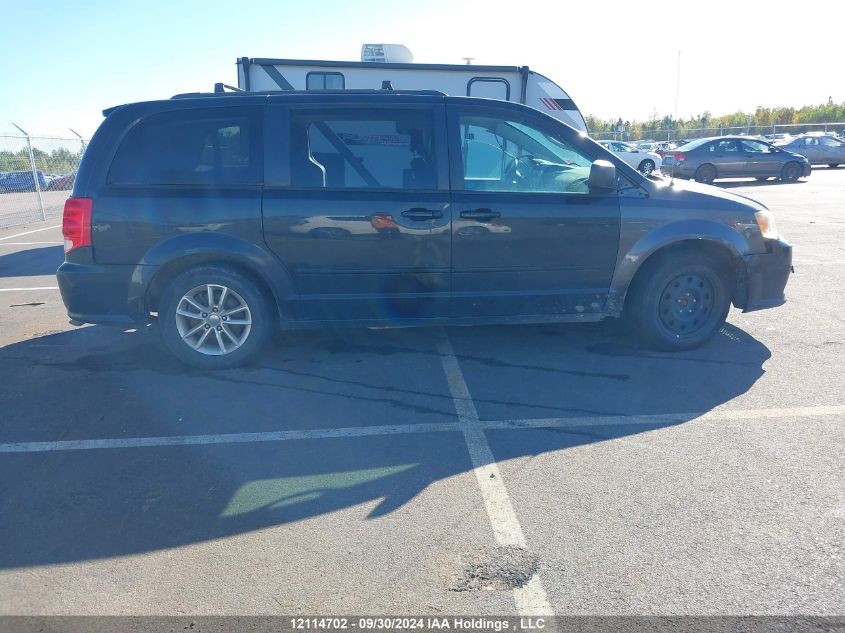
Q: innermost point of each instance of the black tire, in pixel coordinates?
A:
(761, 178)
(679, 301)
(791, 172)
(833, 165)
(241, 290)
(706, 174)
(646, 167)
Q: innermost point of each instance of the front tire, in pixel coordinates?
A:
(214, 317)
(679, 301)
(705, 174)
(646, 167)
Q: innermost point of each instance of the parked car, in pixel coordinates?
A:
(775, 138)
(818, 149)
(62, 183)
(19, 181)
(647, 146)
(187, 213)
(643, 162)
(708, 159)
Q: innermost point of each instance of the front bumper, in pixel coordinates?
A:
(100, 294)
(766, 275)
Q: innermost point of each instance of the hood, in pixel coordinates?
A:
(691, 191)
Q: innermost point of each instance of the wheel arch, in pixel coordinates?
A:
(172, 257)
(702, 236)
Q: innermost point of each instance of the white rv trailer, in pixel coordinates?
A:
(393, 63)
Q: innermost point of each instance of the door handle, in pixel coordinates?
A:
(418, 213)
(482, 215)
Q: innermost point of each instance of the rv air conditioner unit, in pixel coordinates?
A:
(390, 53)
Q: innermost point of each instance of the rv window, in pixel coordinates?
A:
(367, 148)
(502, 155)
(324, 81)
(211, 146)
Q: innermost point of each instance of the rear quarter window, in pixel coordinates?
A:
(211, 146)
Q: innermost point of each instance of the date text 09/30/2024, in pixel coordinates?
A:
(423, 623)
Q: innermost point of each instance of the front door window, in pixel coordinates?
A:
(510, 156)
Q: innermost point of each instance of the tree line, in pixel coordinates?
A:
(762, 121)
(58, 161)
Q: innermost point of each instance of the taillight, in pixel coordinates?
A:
(680, 157)
(76, 223)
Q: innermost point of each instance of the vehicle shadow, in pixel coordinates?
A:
(71, 505)
(32, 262)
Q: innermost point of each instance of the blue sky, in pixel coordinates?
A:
(61, 63)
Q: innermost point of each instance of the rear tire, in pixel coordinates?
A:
(833, 165)
(790, 172)
(214, 317)
(679, 301)
(706, 174)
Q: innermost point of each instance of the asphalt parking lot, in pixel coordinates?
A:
(508, 470)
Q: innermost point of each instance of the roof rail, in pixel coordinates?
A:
(364, 91)
(220, 87)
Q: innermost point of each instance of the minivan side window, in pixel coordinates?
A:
(363, 149)
(511, 156)
(209, 146)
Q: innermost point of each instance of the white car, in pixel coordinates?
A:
(644, 162)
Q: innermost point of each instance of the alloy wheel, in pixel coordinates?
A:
(213, 319)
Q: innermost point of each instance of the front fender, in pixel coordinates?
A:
(211, 246)
(629, 263)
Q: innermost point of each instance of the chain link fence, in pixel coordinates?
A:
(625, 134)
(36, 176)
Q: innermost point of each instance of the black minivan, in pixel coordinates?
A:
(222, 217)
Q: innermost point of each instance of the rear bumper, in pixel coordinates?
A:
(766, 275)
(678, 170)
(100, 294)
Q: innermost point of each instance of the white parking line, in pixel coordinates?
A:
(531, 599)
(226, 438)
(25, 289)
(28, 243)
(46, 228)
(440, 427)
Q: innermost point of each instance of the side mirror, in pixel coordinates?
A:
(602, 176)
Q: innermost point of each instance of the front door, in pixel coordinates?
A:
(762, 159)
(356, 205)
(529, 237)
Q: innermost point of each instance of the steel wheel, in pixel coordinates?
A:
(686, 304)
(213, 319)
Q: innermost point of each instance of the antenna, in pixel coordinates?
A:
(468, 60)
(677, 92)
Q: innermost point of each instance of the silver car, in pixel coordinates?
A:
(819, 150)
(707, 159)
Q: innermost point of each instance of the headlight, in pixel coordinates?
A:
(766, 222)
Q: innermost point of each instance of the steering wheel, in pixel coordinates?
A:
(520, 170)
